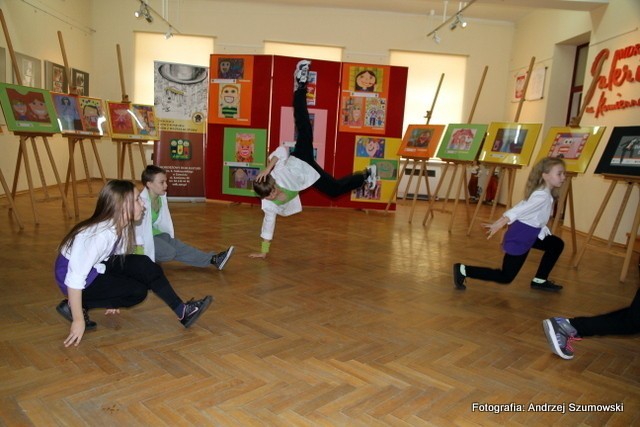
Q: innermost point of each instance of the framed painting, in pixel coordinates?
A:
(575, 145)
(621, 156)
(79, 82)
(55, 77)
(381, 152)
(244, 156)
(68, 112)
(461, 142)
(28, 110)
(132, 121)
(420, 141)
(92, 116)
(510, 143)
(30, 71)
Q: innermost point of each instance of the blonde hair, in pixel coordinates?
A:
(536, 181)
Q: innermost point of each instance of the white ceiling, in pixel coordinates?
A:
(497, 10)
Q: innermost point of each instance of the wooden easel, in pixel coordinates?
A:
(72, 140)
(22, 150)
(455, 164)
(631, 183)
(508, 170)
(422, 162)
(12, 204)
(124, 145)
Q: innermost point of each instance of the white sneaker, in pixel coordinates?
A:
(372, 179)
(302, 72)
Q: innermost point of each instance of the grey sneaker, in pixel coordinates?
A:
(219, 260)
(193, 310)
(301, 74)
(560, 334)
(372, 177)
(458, 277)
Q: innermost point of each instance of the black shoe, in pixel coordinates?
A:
(65, 311)
(301, 74)
(193, 310)
(219, 260)
(547, 285)
(458, 277)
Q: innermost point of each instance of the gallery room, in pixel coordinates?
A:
(474, 261)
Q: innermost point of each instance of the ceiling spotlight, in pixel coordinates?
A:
(458, 21)
(143, 12)
(168, 34)
(463, 23)
(436, 38)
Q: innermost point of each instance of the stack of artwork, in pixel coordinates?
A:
(381, 152)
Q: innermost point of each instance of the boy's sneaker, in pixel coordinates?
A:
(219, 260)
(301, 74)
(193, 310)
(65, 311)
(560, 334)
(547, 285)
(458, 277)
(372, 177)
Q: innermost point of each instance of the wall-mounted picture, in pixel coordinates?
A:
(461, 142)
(244, 155)
(132, 121)
(28, 109)
(230, 89)
(363, 100)
(79, 82)
(575, 145)
(621, 156)
(510, 143)
(381, 152)
(55, 77)
(420, 141)
(30, 71)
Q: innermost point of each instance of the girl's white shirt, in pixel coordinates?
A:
(293, 174)
(144, 227)
(534, 211)
(90, 248)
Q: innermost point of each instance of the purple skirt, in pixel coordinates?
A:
(519, 238)
(60, 271)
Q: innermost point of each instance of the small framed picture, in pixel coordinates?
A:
(621, 156)
(461, 142)
(575, 145)
(30, 71)
(510, 143)
(79, 82)
(55, 77)
(28, 109)
(132, 121)
(420, 141)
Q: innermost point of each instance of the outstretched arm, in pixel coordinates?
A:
(493, 228)
(264, 250)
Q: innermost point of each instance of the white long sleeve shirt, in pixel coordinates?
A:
(534, 211)
(144, 227)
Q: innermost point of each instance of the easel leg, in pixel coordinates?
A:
(130, 153)
(429, 212)
(95, 153)
(12, 203)
(595, 222)
(411, 175)
(395, 190)
(27, 167)
(57, 176)
(86, 166)
(122, 150)
(573, 220)
(36, 155)
(498, 189)
(423, 164)
(142, 156)
(483, 196)
(632, 239)
(623, 206)
(71, 173)
(463, 177)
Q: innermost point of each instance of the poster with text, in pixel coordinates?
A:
(363, 99)
(244, 156)
(288, 132)
(230, 88)
(381, 152)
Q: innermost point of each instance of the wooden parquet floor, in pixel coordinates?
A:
(352, 321)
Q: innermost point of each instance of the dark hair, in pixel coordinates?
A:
(150, 172)
(115, 203)
(369, 89)
(265, 187)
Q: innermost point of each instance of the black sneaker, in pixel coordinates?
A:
(372, 177)
(219, 260)
(547, 285)
(193, 310)
(301, 74)
(65, 311)
(458, 277)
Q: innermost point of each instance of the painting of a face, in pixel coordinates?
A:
(229, 95)
(38, 108)
(372, 147)
(20, 108)
(365, 81)
(225, 66)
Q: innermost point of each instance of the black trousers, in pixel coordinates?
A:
(126, 283)
(326, 184)
(511, 264)
(625, 321)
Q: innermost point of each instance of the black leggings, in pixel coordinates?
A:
(326, 184)
(625, 321)
(126, 282)
(511, 264)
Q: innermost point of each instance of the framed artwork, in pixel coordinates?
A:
(420, 141)
(79, 82)
(230, 89)
(575, 145)
(132, 121)
(461, 142)
(244, 155)
(363, 99)
(510, 143)
(621, 156)
(28, 109)
(30, 71)
(381, 152)
(55, 77)
(68, 112)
